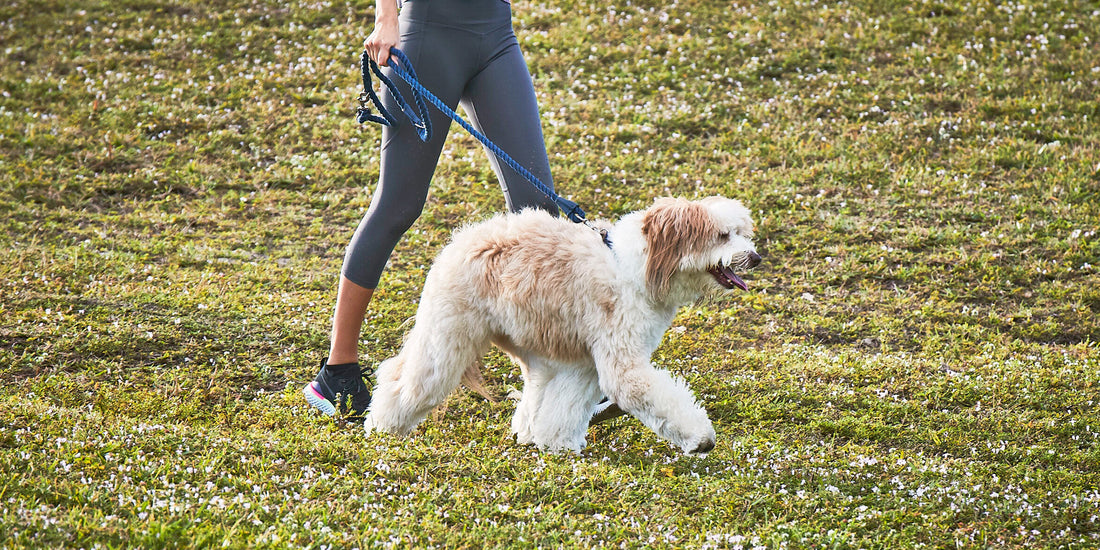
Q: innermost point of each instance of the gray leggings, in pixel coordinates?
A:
(462, 51)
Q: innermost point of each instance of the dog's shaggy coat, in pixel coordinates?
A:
(581, 319)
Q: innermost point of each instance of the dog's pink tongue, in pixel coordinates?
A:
(735, 279)
(727, 278)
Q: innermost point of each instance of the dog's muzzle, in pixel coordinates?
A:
(726, 277)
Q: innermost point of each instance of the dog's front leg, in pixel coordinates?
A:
(565, 405)
(661, 402)
(523, 421)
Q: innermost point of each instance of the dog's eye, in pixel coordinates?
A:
(724, 236)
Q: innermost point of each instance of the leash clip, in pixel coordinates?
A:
(603, 232)
(363, 112)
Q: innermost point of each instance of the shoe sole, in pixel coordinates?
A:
(605, 410)
(318, 401)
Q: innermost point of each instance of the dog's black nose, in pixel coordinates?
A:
(704, 447)
(754, 259)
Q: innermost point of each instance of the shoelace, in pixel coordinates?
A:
(353, 393)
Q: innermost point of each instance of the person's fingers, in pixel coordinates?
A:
(377, 49)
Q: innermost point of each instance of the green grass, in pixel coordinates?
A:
(915, 365)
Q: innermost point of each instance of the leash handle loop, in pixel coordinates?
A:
(419, 119)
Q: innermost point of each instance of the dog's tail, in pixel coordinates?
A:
(473, 380)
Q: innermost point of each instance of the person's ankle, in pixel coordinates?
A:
(338, 359)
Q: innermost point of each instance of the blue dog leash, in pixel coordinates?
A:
(404, 69)
(419, 117)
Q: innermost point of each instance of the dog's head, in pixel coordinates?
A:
(697, 242)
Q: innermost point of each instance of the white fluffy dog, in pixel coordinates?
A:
(580, 318)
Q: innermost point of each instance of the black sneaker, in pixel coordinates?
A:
(338, 387)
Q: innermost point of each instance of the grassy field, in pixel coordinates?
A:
(916, 363)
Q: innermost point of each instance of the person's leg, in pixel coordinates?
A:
(404, 177)
(406, 169)
(347, 321)
(501, 103)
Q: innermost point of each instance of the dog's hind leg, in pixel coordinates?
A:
(428, 368)
(661, 402)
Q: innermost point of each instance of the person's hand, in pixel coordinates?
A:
(385, 35)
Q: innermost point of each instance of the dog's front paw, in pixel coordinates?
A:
(561, 447)
(703, 447)
(524, 437)
(701, 442)
(368, 424)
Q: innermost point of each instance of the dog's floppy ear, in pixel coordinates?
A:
(673, 228)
